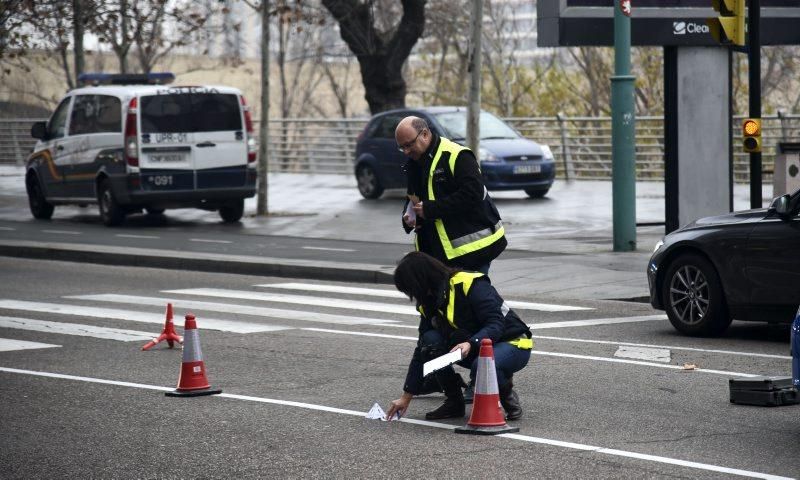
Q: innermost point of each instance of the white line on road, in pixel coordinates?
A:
(671, 347)
(205, 240)
(596, 321)
(444, 426)
(555, 354)
(65, 232)
(298, 299)
(74, 329)
(9, 345)
(7, 229)
(330, 249)
(238, 309)
(380, 292)
(108, 313)
(126, 235)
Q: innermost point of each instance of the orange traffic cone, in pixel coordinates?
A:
(192, 381)
(169, 334)
(487, 416)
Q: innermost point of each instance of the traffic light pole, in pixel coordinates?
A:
(754, 64)
(623, 117)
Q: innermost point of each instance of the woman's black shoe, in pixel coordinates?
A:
(451, 408)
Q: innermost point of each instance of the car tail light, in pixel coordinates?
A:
(132, 135)
(362, 134)
(252, 148)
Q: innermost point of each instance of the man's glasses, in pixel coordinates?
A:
(410, 144)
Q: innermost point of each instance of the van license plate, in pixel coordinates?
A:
(166, 158)
(522, 169)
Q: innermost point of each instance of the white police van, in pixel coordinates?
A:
(133, 142)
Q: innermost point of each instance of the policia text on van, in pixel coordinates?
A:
(128, 144)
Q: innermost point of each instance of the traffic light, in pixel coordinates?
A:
(728, 28)
(751, 135)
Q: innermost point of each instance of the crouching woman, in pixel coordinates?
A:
(458, 309)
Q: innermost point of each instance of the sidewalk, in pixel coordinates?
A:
(572, 225)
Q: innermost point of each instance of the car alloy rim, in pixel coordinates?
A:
(688, 294)
(105, 202)
(366, 181)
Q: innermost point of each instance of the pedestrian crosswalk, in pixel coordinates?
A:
(262, 308)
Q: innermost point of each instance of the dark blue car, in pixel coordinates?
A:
(508, 160)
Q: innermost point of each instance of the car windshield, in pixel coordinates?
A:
(190, 112)
(455, 125)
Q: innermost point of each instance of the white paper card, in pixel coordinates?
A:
(377, 413)
(441, 362)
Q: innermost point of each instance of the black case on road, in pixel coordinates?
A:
(763, 391)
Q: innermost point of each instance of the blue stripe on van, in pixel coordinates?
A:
(234, 176)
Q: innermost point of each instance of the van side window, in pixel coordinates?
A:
(95, 114)
(56, 127)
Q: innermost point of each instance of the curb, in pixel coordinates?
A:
(202, 262)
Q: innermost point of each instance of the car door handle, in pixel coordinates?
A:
(206, 144)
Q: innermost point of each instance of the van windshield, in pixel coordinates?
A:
(190, 112)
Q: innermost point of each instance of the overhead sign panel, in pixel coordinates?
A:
(563, 23)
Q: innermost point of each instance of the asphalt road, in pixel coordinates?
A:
(297, 385)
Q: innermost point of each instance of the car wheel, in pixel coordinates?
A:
(368, 183)
(534, 193)
(693, 297)
(154, 211)
(40, 207)
(111, 212)
(232, 212)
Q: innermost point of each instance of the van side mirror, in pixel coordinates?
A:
(39, 130)
(781, 205)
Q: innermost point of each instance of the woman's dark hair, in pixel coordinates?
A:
(420, 276)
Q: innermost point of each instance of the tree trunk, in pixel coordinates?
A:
(380, 55)
(78, 19)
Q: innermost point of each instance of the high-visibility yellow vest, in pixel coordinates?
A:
(472, 241)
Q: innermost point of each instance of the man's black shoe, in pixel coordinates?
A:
(451, 408)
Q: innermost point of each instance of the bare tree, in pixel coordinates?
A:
(155, 27)
(381, 51)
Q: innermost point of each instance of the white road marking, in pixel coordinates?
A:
(596, 321)
(443, 426)
(205, 240)
(298, 299)
(9, 345)
(330, 249)
(641, 353)
(671, 347)
(65, 232)
(202, 323)
(7, 229)
(126, 235)
(380, 292)
(239, 309)
(75, 329)
(554, 354)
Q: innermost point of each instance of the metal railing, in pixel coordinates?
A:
(581, 145)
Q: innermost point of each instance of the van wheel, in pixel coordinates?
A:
(368, 184)
(534, 193)
(232, 212)
(40, 207)
(111, 212)
(693, 297)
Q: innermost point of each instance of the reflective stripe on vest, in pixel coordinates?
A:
(467, 243)
(465, 279)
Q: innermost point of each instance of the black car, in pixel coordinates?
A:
(508, 160)
(742, 265)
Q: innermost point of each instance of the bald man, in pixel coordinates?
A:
(449, 208)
